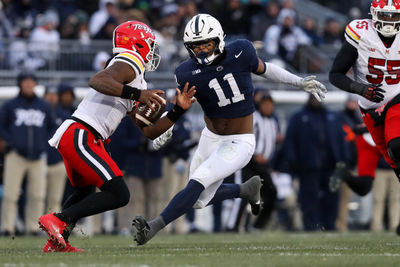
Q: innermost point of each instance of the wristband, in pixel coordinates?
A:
(129, 92)
(175, 113)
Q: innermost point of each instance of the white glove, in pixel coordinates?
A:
(162, 139)
(312, 86)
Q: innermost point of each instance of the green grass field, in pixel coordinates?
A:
(265, 249)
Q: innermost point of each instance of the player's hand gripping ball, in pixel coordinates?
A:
(145, 116)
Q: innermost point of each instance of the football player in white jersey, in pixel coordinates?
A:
(372, 47)
(81, 140)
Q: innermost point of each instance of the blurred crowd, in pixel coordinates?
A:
(45, 22)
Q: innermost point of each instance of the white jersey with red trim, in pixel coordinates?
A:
(103, 112)
(376, 63)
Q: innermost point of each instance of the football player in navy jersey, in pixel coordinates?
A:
(224, 89)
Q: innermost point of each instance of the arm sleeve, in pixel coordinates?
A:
(277, 74)
(344, 60)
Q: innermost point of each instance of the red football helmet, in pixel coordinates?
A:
(137, 36)
(386, 16)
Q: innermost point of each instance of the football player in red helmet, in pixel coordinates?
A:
(81, 140)
(371, 45)
(137, 36)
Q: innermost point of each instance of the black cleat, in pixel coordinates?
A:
(141, 230)
(255, 202)
(256, 207)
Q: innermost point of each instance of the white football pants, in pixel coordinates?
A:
(217, 157)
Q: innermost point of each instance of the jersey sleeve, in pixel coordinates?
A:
(249, 52)
(133, 59)
(353, 32)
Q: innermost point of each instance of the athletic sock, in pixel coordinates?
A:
(225, 191)
(155, 225)
(182, 202)
(114, 194)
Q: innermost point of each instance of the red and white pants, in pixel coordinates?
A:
(383, 134)
(86, 160)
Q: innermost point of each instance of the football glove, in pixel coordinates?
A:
(162, 139)
(312, 86)
(373, 92)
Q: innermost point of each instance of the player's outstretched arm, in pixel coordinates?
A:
(277, 74)
(112, 81)
(344, 60)
(184, 100)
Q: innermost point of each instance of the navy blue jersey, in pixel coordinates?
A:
(224, 90)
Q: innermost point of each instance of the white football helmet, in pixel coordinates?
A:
(386, 16)
(202, 28)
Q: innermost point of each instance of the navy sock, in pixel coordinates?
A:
(182, 202)
(225, 191)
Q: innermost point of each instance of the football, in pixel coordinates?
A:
(144, 116)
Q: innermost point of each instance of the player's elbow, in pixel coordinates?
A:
(333, 76)
(94, 80)
(97, 79)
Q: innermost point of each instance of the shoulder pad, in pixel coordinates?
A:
(356, 29)
(242, 44)
(133, 59)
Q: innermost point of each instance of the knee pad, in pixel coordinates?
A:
(394, 150)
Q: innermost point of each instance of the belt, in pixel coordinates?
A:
(90, 128)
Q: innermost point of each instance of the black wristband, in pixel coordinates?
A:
(175, 113)
(129, 92)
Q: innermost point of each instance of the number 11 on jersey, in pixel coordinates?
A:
(223, 101)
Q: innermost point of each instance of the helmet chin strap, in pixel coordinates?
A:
(387, 30)
(204, 59)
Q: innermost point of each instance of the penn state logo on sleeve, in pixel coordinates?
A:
(133, 59)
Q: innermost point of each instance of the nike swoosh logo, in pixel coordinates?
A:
(238, 55)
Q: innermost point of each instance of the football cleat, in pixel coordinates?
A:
(256, 207)
(54, 228)
(256, 203)
(141, 229)
(50, 247)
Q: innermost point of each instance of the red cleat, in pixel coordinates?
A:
(50, 247)
(54, 227)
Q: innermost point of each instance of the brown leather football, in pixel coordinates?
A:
(144, 116)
